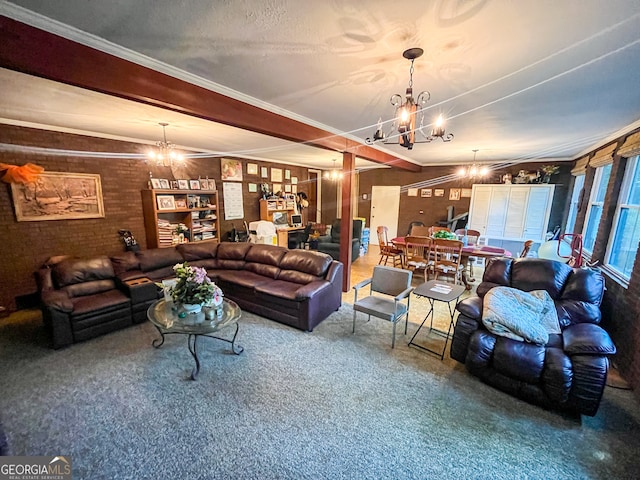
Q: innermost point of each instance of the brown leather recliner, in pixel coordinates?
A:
(82, 299)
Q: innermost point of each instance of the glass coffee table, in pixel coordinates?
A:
(168, 319)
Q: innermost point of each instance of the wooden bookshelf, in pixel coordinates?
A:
(165, 210)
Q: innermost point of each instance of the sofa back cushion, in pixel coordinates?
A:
(335, 230)
(264, 259)
(158, 258)
(194, 251)
(231, 255)
(577, 293)
(530, 274)
(304, 266)
(84, 276)
(125, 262)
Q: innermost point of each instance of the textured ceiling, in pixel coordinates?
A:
(516, 80)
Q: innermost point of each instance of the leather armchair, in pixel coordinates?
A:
(81, 299)
(570, 371)
(331, 243)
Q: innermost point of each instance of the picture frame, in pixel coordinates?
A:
(264, 172)
(253, 187)
(183, 184)
(194, 184)
(211, 185)
(287, 188)
(454, 194)
(204, 184)
(277, 187)
(252, 168)
(155, 183)
(412, 192)
(276, 175)
(466, 193)
(287, 174)
(83, 197)
(294, 180)
(426, 193)
(294, 189)
(230, 169)
(166, 202)
(439, 192)
(180, 203)
(164, 184)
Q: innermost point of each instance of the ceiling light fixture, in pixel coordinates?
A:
(334, 174)
(473, 170)
(407, 113)
(164, 155)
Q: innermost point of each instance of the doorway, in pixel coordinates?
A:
(313, 192)
(385, 208)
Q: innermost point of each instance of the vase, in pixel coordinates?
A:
(192, 307)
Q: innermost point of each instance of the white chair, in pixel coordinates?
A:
(395, 286)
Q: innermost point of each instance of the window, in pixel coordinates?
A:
(578, 184)
(598, 191)
(623, 244)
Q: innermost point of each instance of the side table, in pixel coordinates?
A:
(436, 291)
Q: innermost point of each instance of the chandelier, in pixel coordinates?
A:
(334, 174)
(407, 114)
(164, 155)
(473, 170)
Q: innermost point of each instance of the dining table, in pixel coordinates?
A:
(477, 251)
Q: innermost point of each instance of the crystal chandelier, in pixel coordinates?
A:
(473, 170)
(334, 174)
(407, 114)
(164, 155)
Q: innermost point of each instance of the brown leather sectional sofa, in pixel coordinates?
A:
(84, 298)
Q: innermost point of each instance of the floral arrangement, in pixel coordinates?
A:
(194, 286)
(550, 169)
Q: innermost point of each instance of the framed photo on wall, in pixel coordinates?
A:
(276, 175)
(264, 172)
(287, 174)
(43, 199)
(155, 183)
(252, 169)
(439, 192)
(454, 194)
(231, 169)
(164, 183)
(194, 184)
(253, 187)
(425, 193)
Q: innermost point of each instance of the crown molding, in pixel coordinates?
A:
(610, 138)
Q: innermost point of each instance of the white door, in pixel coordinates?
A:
(479, 208)
(538, 212)
(514, 220)
(385, 208)
(497, 212)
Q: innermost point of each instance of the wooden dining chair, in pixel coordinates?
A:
(473, 236)
(435, 228)
(388, 250)
(447, 258)
(526, 248)
(417, 254)
(419, 231)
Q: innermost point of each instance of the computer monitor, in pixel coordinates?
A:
(296, 220)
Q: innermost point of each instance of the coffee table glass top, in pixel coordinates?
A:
(166, 316)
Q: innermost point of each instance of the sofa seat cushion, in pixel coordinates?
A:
(279, 289)
(242, 278)
(519, 360)
(101, 302)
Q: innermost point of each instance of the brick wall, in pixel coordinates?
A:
(27, 245)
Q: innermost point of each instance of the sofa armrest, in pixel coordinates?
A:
(587, 339)
(57, 299)
(334, 274)
(311, 289)
(471, 307)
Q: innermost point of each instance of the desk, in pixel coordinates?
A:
(283, 234)
(436, 291)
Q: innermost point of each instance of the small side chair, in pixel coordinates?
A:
(395, 286)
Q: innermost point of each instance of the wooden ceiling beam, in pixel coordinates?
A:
(33, 51)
